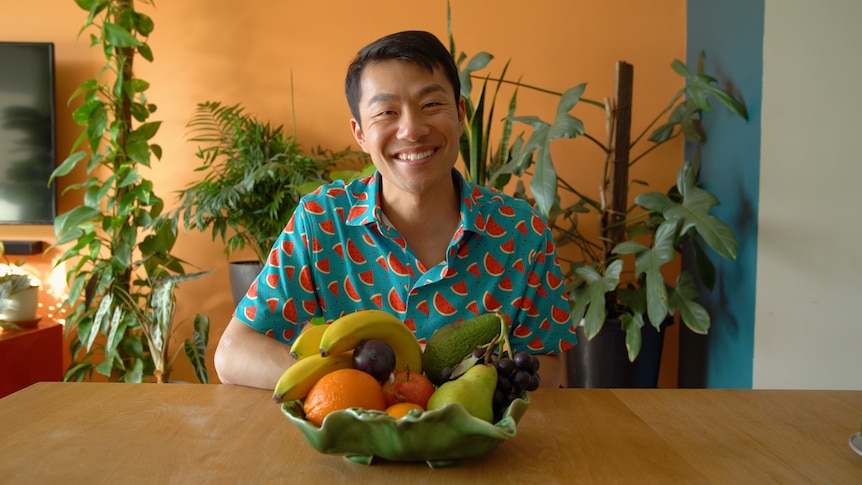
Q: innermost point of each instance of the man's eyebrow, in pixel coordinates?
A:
(384, 97)
(380, 98)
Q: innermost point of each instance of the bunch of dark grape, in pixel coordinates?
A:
(515, 375)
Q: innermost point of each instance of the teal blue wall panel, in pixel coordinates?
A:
(731, 34)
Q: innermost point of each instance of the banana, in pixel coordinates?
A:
(346, 332)
(298, 379)
(308, 342)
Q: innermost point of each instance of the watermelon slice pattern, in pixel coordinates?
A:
(338, 255)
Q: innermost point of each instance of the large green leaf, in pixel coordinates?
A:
(196, 348)
(598, 286)
(692, 313)
(119, 36)
(649, 263)
(693, 213)
(632, 324)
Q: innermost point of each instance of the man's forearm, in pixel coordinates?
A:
(248, 358)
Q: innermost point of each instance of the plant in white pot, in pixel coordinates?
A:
(19, 295)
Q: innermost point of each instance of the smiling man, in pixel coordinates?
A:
(414, 239)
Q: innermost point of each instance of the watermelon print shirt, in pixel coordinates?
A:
(338, 254)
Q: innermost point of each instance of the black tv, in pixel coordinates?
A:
(27, 133)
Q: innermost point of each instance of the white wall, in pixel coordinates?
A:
(808, 330)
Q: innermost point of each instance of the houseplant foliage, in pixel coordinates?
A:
(121, 274)
(12, 283)
(252, 176)
(619, 273)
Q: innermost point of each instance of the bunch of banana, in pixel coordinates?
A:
(308, 342)
(325, 348)
(298, 379)
(344, 334)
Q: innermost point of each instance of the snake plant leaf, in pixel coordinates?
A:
(477, 141)
(682, 299)
(598, 286)
(505, 158)
(476, 63)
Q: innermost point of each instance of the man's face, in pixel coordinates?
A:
(411, 125)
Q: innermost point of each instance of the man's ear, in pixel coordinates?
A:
(356, 129)
(462, 113)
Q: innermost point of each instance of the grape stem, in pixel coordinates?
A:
(489, 352)
(503, 342)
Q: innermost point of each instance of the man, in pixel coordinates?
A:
(414, 239)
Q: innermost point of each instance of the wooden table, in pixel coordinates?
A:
(190, 433)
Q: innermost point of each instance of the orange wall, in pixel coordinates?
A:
(245, 52)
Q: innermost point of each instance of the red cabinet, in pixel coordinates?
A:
(30, 355)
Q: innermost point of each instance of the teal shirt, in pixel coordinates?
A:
(338, 254)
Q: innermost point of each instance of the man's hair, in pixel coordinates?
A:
(416, 46)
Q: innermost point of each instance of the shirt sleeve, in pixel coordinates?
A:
(284, 295)
(544, 324)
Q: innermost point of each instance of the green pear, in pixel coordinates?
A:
(474, 390)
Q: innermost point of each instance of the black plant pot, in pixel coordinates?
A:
(242, 274)
(603, 361)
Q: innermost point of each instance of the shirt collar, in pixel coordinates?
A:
(365, 203)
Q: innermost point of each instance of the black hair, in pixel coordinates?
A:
(416, 46)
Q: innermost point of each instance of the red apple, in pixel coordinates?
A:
(406, 386)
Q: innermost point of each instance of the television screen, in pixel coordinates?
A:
(27, 133)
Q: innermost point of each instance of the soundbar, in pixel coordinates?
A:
(23, 247)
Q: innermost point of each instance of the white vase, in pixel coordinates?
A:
(22, 306)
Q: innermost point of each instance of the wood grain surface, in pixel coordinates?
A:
(190, 433)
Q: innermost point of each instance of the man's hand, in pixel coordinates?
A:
(551, 370)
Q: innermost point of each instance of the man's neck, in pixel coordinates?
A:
(427, 221)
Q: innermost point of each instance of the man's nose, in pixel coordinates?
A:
(412, 126)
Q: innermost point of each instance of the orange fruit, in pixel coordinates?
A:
(399, 410)
(342, 389)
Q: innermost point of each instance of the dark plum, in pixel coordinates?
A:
(375, 357)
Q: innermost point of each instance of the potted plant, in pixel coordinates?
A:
(619, 275)
(19, 295)
(253, 175)
(116, 242)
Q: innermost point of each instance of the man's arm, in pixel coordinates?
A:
(250, 358)
(551, 369)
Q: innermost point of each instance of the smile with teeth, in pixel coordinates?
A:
(414, 156)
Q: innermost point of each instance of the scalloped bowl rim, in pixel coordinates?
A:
(440, 437)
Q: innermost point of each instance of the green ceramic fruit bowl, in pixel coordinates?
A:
(442, 437)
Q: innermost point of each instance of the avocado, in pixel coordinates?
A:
(450, 344)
